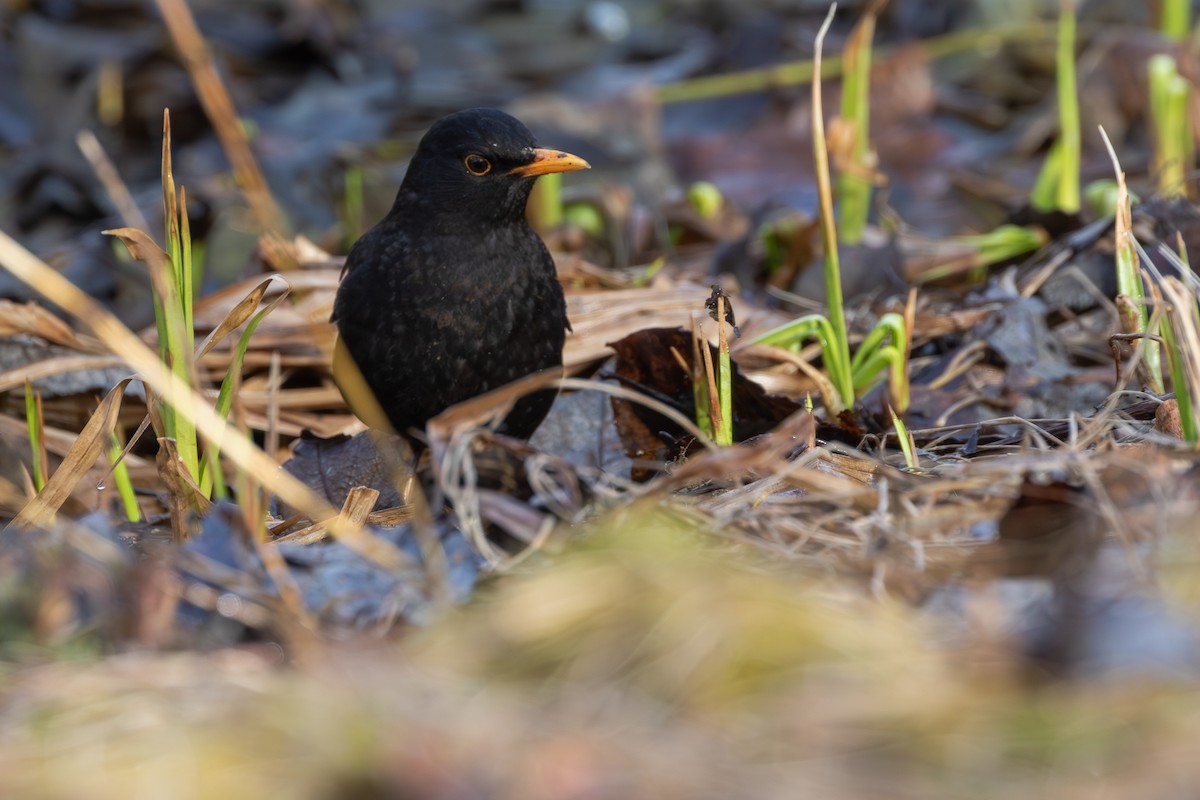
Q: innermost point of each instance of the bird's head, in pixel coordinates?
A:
(481, 163)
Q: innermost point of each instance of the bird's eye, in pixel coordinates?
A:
(477, 164)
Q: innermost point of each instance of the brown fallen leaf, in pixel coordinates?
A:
(648, 360)
(1166, 419)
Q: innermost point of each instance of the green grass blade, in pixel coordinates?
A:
(1183, 396)
(700, 383)
(187, 285)
(176, 314)
(1176, 19)
(1057, 187)
(1174, 146)
(891, 326)
(545, 209)
(1068, 111)
(1131, 291)
(875, 363)
(791, 335)
(210, 473)
(854, 185)
(904, 438)
(837, 349)
(120, 477)
(37, 435)
(1044, 195)
(724, 434)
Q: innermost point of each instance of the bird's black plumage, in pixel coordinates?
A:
(453, 294)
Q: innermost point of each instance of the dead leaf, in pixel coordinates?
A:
(645, 360)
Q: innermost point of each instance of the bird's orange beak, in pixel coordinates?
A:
(547, 161)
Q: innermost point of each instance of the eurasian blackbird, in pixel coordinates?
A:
(453, 293)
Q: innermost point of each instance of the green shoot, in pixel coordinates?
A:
(884, 347)
(1176, 19)
(1044, 195)
(1179, 382)
(174, 301)
(724, 432)
(794, 73)
(786, 242)
(1131, 293)
(1180, 324)
(712, 387)
(851, 139)
(211, 477)
(1180, 331)
(585, 216)
(120, 476)
(37, 435)
(187, 281)
(1057, 187)
(716, 421)
(1101, 197)
(705, 199)
(887, 344)
(172, 273)
(644, 278)
(837, 349)
(704, 416)
(545, 209)
(975, 252)
(1174, 145)
(904, 437)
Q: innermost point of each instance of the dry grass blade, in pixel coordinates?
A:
(480, 411)
(355, 511)
(359, 502)
(49, 367)
(710, 380)
(32, 319)
(172, 309)
(182, 492)
(143, 248)
(106, 171)
(598, 318)
(824, 387)
(59, 442)
(241, 312)
(221, 112)
(759, 458)
(319, 532)
(92, 442)
(633, 396)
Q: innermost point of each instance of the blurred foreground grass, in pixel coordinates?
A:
(643, 664)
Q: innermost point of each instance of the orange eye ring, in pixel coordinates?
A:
(477, 165)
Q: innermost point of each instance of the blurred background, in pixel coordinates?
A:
(334, 96)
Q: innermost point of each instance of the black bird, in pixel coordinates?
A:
(453, 294)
